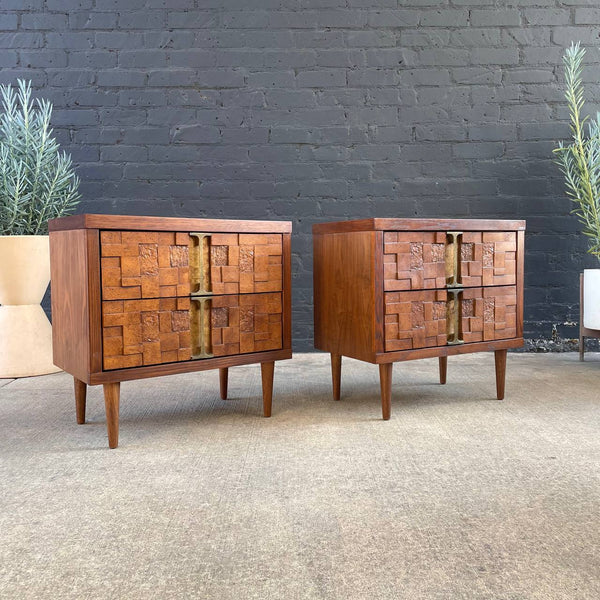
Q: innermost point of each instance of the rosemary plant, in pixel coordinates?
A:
(580, 160)
(37, 181)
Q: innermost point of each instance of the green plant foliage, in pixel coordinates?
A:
(37, 181)
(580, 160)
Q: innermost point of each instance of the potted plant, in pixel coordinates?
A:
(580, 163)
(37, 183)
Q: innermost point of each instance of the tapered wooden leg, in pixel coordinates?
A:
(336, 374)
(80, 393)
(266, 370)
(385, 381)
(223, 375)
(581, 347)
(111, 402)
(443, 369)
(500, 358)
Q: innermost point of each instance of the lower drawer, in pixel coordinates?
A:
(427, 318)
(138, 333)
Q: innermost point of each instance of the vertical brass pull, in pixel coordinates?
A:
(453, 259)
(200, 328)
(453, 317)
(200, 265)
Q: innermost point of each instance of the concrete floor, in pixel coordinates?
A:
(457, 496)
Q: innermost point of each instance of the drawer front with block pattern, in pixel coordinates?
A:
(162, 330)
(437, 259)
(151, 264)
(429, 318)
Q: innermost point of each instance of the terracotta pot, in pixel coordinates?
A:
(591, 298)
(25, 332)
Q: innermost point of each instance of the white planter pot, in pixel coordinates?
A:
(25, 332)
(591, 298)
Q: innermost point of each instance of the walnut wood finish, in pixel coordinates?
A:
(414, 260)
(488, 313)
(415, 319)
(443, 363)
(70, 307)
(245, 323)
(336, 374)
(151, 264)
(488, 258)
(145, 332)
(267, 370)
(137, 223)
(80, 396)
(124, 306)
(385, 381)
(344, 291)
(418, 225)
(223, 380)
(500, 360)
(144, 264)
(419, 260)
(163, 330)
(111, 403)
(401, 289)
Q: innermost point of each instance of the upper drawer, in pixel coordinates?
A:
(438, 259)
(150, 264)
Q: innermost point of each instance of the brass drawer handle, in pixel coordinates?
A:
(453, 317)
(200, 309)
(200, 265)
(452, 259)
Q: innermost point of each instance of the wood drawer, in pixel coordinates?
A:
(416, 260)
(154, 264)
(427, 318)
(163, 330)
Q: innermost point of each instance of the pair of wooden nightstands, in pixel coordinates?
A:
(136, 297)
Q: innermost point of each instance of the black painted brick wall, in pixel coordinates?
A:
(314, 110)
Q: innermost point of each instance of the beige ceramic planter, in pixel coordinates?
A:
(25, 332)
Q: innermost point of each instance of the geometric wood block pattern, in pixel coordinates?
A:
(246, 323)
(415, 319)
(147, 264)
(488, 258)
(161, 330)
(144, 264)
(245, 263)
(488, 313)
(414, 260)
(422, 319)
(145, 332)
(417, 260)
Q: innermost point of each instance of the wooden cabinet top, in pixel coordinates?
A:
(129, 222)
(419, 225)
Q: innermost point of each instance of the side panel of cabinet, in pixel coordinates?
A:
(431, 318)
(347, 293)
(151, 264)
(163, 330)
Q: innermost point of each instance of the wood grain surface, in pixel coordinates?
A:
(164, 330)
(143, 223)
(419, 260)
(151, 264)
(419, 225)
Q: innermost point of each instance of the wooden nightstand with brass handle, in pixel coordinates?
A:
(388, 290)
(136, 297)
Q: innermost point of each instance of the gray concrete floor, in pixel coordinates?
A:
(457, 496)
